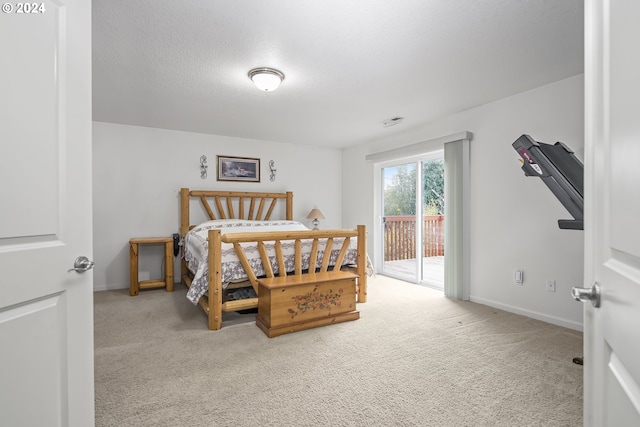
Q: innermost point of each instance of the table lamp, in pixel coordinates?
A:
(316, 216)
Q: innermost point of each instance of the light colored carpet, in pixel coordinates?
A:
(414, 358)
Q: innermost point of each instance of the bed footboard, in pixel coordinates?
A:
(214, 305)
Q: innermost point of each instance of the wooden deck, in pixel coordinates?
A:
(432, 270)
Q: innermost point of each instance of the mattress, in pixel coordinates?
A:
(196, 252)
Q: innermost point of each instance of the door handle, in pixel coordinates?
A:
(587, 294)
(81, 265)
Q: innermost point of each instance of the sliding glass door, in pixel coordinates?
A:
(413, 220)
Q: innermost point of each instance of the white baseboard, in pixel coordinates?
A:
(529, 313)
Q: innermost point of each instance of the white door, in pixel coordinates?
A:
(612, 213)
(46, 313)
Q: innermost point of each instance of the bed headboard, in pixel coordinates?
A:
(232, 205)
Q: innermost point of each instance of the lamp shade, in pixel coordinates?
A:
(266, 79)
(315, 214)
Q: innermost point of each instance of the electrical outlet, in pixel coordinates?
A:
(551, 285)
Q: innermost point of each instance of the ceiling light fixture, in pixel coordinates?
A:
(266, 79)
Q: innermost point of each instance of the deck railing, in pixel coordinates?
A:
(400, 236)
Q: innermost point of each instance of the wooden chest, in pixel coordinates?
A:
(298, 302)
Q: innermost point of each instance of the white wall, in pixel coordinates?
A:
(138, 173)
(513, 217)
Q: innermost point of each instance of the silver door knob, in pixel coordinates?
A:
(82, 264)
(587, 294)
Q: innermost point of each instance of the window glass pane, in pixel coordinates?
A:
(399, 219)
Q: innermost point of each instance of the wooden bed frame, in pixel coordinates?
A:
(235, 203)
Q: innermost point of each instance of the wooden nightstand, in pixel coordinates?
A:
(167, 282)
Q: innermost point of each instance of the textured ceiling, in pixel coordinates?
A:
(349, 65)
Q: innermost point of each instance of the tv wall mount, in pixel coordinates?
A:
(562, 172)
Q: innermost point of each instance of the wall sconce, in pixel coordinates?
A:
(272, 168)
(316, 215)
(203, 166)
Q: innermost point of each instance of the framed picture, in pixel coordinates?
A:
(232, 168)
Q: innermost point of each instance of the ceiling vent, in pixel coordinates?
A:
(392, 122)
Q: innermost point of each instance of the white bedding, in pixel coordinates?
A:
(196, 247)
